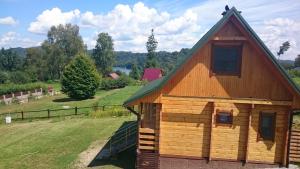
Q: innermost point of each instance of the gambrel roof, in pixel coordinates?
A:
(159, 83)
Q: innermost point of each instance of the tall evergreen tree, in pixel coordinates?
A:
(135, 72)
(104, 54)
(151, 47)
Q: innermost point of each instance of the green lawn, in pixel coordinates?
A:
(58, 142)
(297, 80)
(53, 143)
(102, 97)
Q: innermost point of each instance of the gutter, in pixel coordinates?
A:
(134, 112)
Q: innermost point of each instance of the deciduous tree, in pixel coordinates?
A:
(104, 54)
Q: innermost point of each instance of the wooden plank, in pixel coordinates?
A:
(147, 148)
(235, 100)
(230, 38)
(211, 132)
(248, 133)
(147, 142)
(147, 137)
(146, 130)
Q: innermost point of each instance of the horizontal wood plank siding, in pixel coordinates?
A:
(185, 128)
(268, 151)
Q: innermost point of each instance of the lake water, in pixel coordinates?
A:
(122, 69)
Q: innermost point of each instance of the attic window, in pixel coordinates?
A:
(267, 123)
(226, 59)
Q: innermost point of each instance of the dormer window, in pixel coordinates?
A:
(226, 59)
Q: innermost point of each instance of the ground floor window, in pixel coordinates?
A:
(267, 123)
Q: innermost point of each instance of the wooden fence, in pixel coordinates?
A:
(48, 113)
(295, 146)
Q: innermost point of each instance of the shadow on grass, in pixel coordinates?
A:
(68, 99)
(124, 159)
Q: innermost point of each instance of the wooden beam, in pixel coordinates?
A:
(229, 38)
(248, 132)
(211, 130)
(286, 142)
(235, 100)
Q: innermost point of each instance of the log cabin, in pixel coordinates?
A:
(227, 100)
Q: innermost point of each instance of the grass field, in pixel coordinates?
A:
(102, 97)
(53, 143)
(57, 142)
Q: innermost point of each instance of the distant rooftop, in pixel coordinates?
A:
(151, 74)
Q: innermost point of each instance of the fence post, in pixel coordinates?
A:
(103, 107)
(22, 113)
(48, 113)
(76, 110)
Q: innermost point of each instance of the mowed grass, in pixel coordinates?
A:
(102, 97)
(54, 143)
(297, 80)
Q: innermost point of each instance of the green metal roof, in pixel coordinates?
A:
(159, 83)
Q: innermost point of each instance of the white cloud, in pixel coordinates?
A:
(13, 39)
(8, 21)
(130, 25)
(52, 17)
(276, 31)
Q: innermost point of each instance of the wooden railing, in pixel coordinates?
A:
(295, 146)
(147, 139)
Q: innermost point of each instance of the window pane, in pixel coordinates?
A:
(224, 117)
(226, 59)
(267, 125)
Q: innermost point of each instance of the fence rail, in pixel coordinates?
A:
(48, 113)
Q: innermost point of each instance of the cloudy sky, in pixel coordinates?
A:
(177, 23)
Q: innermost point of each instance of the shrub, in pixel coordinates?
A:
(19, 77)
(80, 79)
(294, 73)
(3, 77)
(123, 81)
(13, 88)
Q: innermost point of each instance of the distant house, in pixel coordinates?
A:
(151, 74)
(113, 76)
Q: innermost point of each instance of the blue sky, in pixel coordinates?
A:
(177, 23)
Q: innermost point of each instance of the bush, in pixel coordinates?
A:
(80, 79)
(108, 84)
(294, 73)
(3, 77)
(19, 77)
(13, 88)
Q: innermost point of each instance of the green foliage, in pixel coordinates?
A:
(19, 77)
(80, 78)
(135, 72)
(62, 44)
(9, 60)
(103, 53)
(283, 48)
(12, 88)
(294, 73)
(108, 84)
(151, 47)
(297, 61)
(3, 77)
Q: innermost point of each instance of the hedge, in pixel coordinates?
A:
(13, 88)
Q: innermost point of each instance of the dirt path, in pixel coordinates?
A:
(86, 157)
